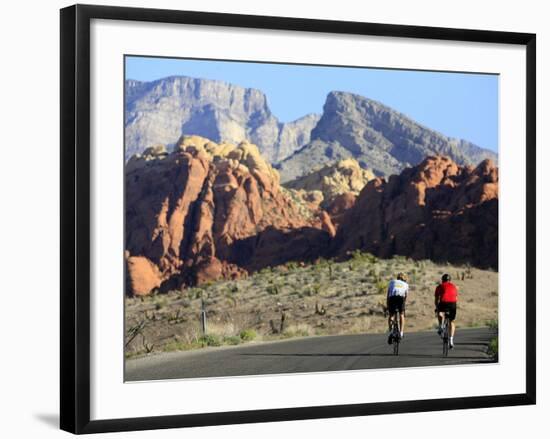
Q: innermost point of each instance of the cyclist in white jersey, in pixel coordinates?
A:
(397, 295)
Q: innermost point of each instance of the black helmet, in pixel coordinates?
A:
(446, 278)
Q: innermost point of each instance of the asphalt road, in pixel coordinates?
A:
(313, 354)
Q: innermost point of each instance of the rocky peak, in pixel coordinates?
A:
(244, 157)
(376, 136)
(161, 111)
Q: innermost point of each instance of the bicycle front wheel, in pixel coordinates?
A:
(446, 339)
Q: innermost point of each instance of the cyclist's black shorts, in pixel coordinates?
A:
(449, 307)
(396, 303)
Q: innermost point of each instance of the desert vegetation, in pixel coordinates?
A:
(327, 297)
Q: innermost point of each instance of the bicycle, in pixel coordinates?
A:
(395, 333)
(446, 334)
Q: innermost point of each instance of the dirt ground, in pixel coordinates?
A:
(296, 300)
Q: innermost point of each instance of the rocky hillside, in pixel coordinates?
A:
(437, 210)
(344, 176)
(208, 211)
(160, 111)
(377, 136)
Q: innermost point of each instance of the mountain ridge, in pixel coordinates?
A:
(161, 111)
(209, 211)
(377, 136)
(350, 126)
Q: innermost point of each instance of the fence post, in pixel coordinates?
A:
(203, 317)
(282, 327)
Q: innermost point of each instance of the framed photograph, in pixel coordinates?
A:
(274, 218)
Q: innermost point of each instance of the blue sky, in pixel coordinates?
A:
(456, 104)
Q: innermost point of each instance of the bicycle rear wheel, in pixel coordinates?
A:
(446, 338)
(396, 335)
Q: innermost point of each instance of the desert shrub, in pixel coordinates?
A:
(210, 340)
(312, 290)
(359, 256)
(330, 269)
(381, 287)
(400, 258)
(265, 271)
(292, 265)
(247, 335)
(176, 317)
(273, 289)
(373, 273)
(232, 340)
(356, 255)
(421, 265)
(173, 346)
(179, 345)
(301, 330)
(413, 276)
(160, 302)
(231, 300)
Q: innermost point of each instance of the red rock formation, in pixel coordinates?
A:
(339, 206)
(326, 224)
(187, 212)
(436, 210)
(209, 211)
(142, 275)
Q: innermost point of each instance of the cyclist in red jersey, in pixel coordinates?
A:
(446, 295)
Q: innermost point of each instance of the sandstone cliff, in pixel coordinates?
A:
(208, 211)
(436, 210)
(344, 176)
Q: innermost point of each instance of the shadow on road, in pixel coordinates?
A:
(452, 357)
(470, 344)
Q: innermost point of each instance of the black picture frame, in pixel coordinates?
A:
(75, 217)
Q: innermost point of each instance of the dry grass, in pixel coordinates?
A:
(320, 299)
